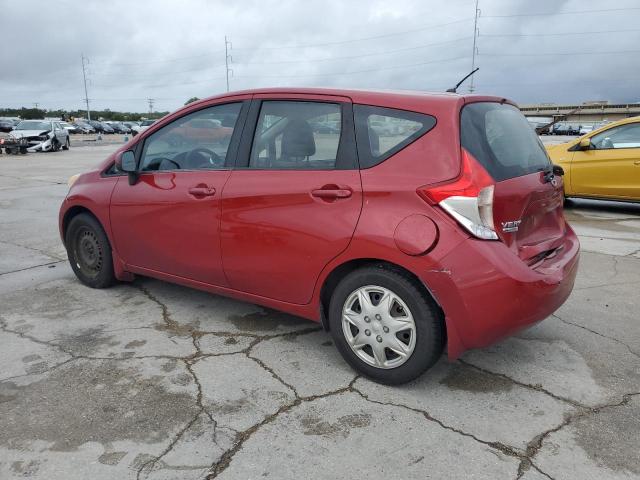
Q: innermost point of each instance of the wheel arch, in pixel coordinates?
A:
(340, 271)
(72, 212)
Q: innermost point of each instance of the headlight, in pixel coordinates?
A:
(72, 179)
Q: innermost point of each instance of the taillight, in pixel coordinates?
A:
(469, 199)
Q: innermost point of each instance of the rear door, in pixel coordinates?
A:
(528, 199)
(169, 220)
(293, 200)
(611, 168)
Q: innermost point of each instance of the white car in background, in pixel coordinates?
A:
(586, 129)
(42, 135)
(142, 127)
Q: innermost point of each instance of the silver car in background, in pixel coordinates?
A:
(142, 127)
(42, 135)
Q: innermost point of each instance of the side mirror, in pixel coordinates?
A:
(126, 161)
(585, 144)
(558, 170)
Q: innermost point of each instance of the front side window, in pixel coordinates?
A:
(297, 136)
(624, 136)
(196, 141)
(382, 132)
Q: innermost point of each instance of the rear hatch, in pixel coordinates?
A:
(527, 196)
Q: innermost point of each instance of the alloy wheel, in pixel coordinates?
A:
(379, 327)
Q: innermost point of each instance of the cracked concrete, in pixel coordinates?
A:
(155, 381)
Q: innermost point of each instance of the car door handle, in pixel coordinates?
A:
(331, 193)
(202, 191)
(637, 162)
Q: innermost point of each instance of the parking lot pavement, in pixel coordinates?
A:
(152, 380)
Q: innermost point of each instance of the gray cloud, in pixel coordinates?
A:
(174, 50)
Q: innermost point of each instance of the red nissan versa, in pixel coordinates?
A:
(401, 221)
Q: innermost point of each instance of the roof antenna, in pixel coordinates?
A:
(454, 89)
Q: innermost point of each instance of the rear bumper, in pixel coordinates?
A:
(488, 293)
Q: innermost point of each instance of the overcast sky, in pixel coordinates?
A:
(542, 51)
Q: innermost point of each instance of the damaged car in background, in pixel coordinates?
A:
(42, 135)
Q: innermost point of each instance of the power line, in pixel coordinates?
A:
(574, 12)
(551, 54)
(167, 60)
(172, 72)
(334, 74)
(559, 34)
(349, 57)
(342, 42)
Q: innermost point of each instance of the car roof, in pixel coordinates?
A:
(366, 96)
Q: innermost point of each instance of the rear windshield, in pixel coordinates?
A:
(502, 140)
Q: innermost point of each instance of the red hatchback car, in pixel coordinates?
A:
(401, 221)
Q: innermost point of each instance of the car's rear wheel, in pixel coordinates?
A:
(89, 251)
(384, 325)
(67, 144)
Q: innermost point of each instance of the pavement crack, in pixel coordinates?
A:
(147, 467)
(273, 374)
(49, 369)
(243, 436)
(42, 252)
(534, 446)
(32, 267)
(536, 387)
(502, 447)
(199, 396)
(597, 333)
(4, 326)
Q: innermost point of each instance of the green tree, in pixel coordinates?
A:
(192, 99)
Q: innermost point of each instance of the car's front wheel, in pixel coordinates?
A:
(67, 144)
(384, 325)
(89, 251)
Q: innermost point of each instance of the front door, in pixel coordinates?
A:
(611, 168)
(293, 201)
(169, 221)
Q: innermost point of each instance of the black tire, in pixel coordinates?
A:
(428, 318)
(89, 251)
(67, 144)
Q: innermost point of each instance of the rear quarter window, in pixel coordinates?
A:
(501, 139)
(382, 132)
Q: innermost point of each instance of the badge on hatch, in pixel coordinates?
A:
(512, 226)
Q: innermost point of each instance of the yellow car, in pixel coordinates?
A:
(602, 164)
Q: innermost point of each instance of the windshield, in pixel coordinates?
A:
(33, 125)
(500, 138)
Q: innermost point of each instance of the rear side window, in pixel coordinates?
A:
(382, 132)
(500, 138)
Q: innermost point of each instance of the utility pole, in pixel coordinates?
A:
(475, 37)
(84, 77)
(151, 100)
(227, 58)
(36, 105)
